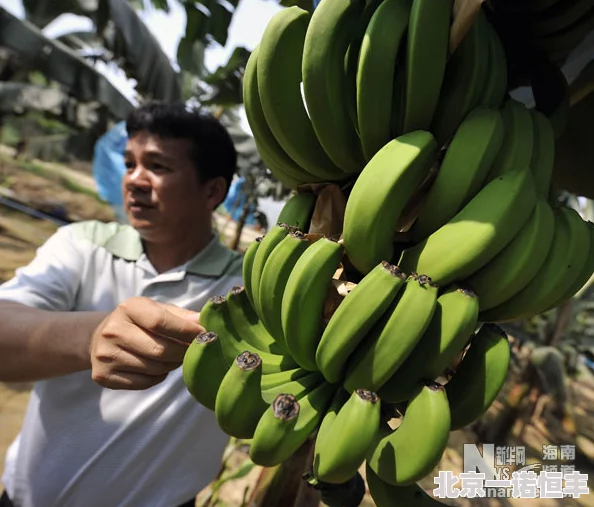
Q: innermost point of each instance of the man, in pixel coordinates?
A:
(101, 319)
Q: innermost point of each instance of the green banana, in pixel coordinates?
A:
(373, 209)
(271, 380)
(298, 210)
(495, 88)
(583, 276)
(302, 310)
(246, 322)
(344, 445)
(387, 495)
(427, 51)
(203, 368)
(516, 151)
(463, 83)
(273, 155)
(519, 262)
(247, 266)
(479, 377)
(326, 41)
(467, 161)
(394, 337)
(298, 387)
(279, 78)
(479, 231)
(275, 274)
(453, 323)
(543, 153)
(215, 317)
(355, 316)
(407, 454)
(351, 58)
(375, 73)
(239, 405)
(325, 431)
(272, 238)
(564, 260)
(287, 424)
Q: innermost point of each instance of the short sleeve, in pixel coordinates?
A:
(52, 279)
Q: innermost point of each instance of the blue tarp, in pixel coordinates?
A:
(235, 200)
(108, 163)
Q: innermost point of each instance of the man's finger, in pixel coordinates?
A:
(141, 342)
(126, 361)
(158, 319)
(126, 380)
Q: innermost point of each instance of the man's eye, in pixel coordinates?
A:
(129, 165)
(159, 167)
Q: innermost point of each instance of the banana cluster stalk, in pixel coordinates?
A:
(377, 340)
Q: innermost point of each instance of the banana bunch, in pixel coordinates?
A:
(376, 341)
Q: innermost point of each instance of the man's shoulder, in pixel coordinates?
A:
(121, 240)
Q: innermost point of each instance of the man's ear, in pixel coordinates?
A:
(216, 191)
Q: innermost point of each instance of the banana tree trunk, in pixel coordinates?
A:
(241, 222)
(284, 485)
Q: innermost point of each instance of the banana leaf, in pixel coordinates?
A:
(43, 12)
(59, 63)
(133, 43)
(18, 98)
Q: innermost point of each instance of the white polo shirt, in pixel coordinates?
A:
(82, 445)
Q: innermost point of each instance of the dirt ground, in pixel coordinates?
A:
(19, 237)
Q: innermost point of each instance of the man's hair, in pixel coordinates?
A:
(213, 151)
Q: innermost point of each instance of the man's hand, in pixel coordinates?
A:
(140, 342)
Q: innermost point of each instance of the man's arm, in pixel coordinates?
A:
(37, 344)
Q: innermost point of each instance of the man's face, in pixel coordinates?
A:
(163, 194)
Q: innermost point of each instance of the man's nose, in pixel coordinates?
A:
(138, 177)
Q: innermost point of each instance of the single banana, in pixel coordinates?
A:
(378, 57)
(495, 89)
(355, 316)
(274, 278)
(271, 380)
(463, 83)
(427, 51)
(564, 260)
(247, 266)
(203, 368)
(215, 317)
(239, 404)
(326, 41)
(279, 78)
(302, 310)
(453, 323)
(394, 337)
(519, 262)
(351, 58)
(387, 495)
(272, 238)
(583, 276)
(467, 161)
(325, 431)
(543, 153)
(338, 456)
(479, 377)
(287, 424)
(372, 209)
(298, 210)
(516, 151)
(245, 320)
(298, 387)
(276, 159)
(407, 454)
(479, 231)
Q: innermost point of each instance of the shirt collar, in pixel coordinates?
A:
(212, 260)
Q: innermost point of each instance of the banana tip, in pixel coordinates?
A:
(285, 407)
(248, 360)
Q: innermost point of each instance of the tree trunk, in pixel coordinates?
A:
(284, 485)
(241, 223)
(562, 323)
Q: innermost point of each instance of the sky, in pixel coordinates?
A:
(246, 29)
